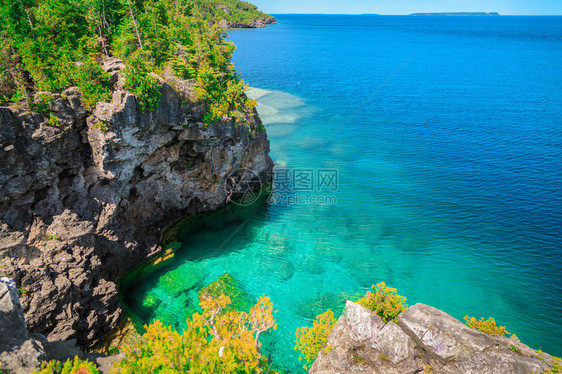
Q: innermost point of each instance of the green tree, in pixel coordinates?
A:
(139, 81)
(93, 83)
(46, 45)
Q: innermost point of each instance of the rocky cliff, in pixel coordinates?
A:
(84, 196)
(425, 340)
(253, 24)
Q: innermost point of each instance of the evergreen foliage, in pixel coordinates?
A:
(93, 83)
(50, 45)
(139, 81)
(231, 10)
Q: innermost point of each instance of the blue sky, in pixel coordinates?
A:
(507, 7)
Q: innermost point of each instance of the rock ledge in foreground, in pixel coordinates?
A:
(424, 338)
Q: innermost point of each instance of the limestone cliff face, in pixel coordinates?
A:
(84, 202)
(425, 340)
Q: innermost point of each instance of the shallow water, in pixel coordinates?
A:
(446, 136)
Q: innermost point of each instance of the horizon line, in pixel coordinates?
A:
(409, 14)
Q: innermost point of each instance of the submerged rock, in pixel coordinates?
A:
(424, 340)
(319, 304)
(227, 285)
(181, 279)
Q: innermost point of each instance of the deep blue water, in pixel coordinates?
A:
(446, 134)
(459, 154)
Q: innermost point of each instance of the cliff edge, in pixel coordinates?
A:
(84, 196)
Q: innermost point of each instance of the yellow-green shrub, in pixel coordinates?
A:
(53, 121)
(311, 340)
(216, 341)
(486, 326)
(384, 302)
(76, 366)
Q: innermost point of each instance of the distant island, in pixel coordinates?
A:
(458, 14)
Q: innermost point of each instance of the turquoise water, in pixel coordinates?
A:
(446, 137)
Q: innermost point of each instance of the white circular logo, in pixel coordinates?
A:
(243, 187)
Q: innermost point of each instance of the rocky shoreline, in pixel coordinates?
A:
(425, 340)
(254, 24)
(84, 202)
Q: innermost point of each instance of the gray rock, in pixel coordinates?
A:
(22, 352)
(23, 359)
(357, 326)
(105, 363)
(19, 353)
(424, 338)
(253, 24)
(441, 334)
(496, 362)
(395, 344)
(339, 361)
(13, 330)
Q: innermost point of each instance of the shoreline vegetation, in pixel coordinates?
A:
(49, 46)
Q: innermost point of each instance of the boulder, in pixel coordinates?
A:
(12, 322)
(442, 335)
(395, 344)
(425, 340)
(19, 353)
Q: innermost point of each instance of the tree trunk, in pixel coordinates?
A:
(28, 17)
(134, 23)
(102, 42)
